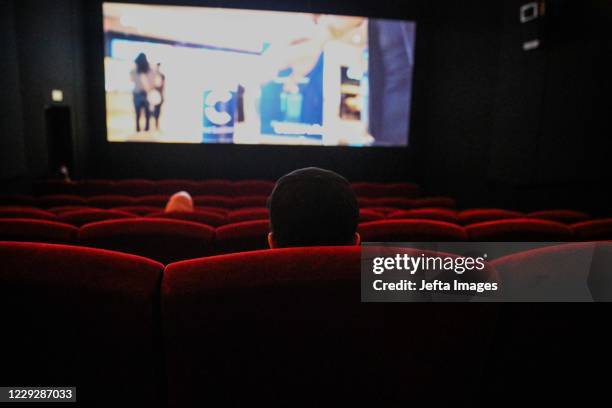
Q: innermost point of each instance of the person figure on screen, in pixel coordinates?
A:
(156, 96)
(142, 76)
(313, 207)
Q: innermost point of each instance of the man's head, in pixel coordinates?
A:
(312, 206)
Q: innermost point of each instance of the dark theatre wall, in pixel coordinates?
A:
(492, 125)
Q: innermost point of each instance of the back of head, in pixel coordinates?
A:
(312, 206)
(180, 202)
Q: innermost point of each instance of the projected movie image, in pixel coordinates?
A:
(177, 74)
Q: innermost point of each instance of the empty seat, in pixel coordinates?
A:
(369, 215)
(212, 187)
(395, 202)
(161, 239)
(173, 186)
(594, 230)
(213, 219)
(95, 187)
(476, 215)
(411, 231)
(366, 189)
(82, 217)
(81, 317)
(212, 201)
(134, 187)
(247, 214)
(110, 201)
(242, 236)
(519, 229)
(570, 272)
(152, 200)
(564, 216)
(293, 319)
(17, 199)
(57, 200)
(248, 201)
(381, 209)
(31, 230)
(65, 208)
(26, 212)
(138, 209)
(434, 202)
(438, 214)
(251, 187)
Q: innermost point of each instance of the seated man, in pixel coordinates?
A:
(312, 207)
(180, 202)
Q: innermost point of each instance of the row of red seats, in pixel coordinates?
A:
(160, 200)
(169, 240)
(124, 328)
(138, 187)
(215, 216)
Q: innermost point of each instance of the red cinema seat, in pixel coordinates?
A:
(66, 208)
(395, 202)
(52, 187)
(82, 217)
(110, 201)
(134, 187)
(569, 272)
(410, 231)
(95, 187)
(251, 188)
(160, 239)
(25, 212)
(476, 215)
(437, 214)
(238, 318)
(248, 201)
(434, 202)
(519, 229)
(594, 230)
(152, 200)
(564, 216)
(83, 317)
(174, 186)
(17, 199)
(369, 215)
(242, 236)
(138, 209)
(382, 210)
(28, 230)
(218, 210)
(365, 189)
(212, 201)
(212, 187)
(247, 214)
(202, 217)
(58, 200)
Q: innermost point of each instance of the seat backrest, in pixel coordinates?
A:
(477, 215)
(242, 236)
(248, 201)
(81, 317)
(251, 187)
(569, 272)
(31, 230)
(438, 214)
(520, 229)
(82, 217)
(369, 189)
(139, 209)
(212, 187)
(164, 240)
(248, 214)
(110, 201)
(564, 216)
(415, 230)
(594, 230)
(212, 201)
(26, 212)
(213, 219)
(56, 200)
(293, 318)
(366, 215)
(134, 187)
